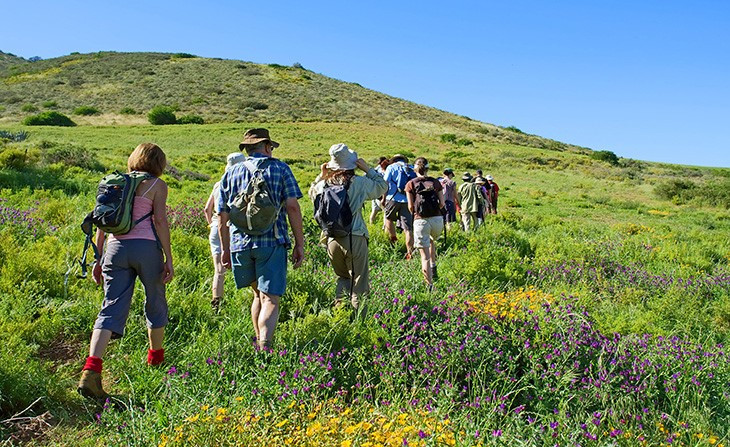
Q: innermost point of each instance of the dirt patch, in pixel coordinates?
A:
(60, 350)
(27, 429)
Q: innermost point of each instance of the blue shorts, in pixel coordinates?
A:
(265, 266)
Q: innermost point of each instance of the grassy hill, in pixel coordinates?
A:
(594, 309)
(220, 91)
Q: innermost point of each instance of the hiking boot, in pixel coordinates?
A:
(434, 273)
(90, 385)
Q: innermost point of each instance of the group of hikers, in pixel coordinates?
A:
(248, 211)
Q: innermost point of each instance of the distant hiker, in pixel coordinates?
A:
(256, 197)
(493, 193)
(213, 238)
(338, 196)
(484, 204)
(469, 197)
(144, 252)
(426, 202)
(376, 204)
(397, 175)
(451, 201)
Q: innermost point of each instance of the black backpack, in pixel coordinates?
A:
(332, 210)
(427, 199)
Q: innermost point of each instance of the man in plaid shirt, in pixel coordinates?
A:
(260, 261)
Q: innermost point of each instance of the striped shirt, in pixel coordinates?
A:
(281, 183)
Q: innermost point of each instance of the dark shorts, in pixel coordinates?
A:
(450, 212)
(265, 266)
(123, 262)
(398, 211)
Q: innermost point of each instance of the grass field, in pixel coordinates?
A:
(592, 310)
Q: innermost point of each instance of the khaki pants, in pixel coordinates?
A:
(470, 221)
(343, 259)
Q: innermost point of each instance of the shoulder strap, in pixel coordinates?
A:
(151, 186)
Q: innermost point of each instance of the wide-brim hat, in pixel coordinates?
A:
(399, 157)
(480, 181)
(489, 177)
(466, 177)
(233, 159)
(342, 158)
(449, 171)
(254, 136)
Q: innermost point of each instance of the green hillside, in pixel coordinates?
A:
(7, 60)
(220, 91)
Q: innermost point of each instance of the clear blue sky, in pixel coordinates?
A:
(646, 79)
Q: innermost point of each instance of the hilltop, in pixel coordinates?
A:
(125, 86)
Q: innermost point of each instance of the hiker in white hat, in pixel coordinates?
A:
(215, 243)
(338, 196)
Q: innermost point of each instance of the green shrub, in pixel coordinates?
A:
(607, 156)
(464, 142)
(161, 115)
(50, 104)
(49, 119)
(191, 119)
(13, 158)
(448, 138)
(513, 129)
(127, 111)
(86, 111)
(676, 189)
(29, 108)
(183, 56)
(72, 156)
(256, 105)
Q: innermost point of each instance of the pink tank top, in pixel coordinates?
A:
(143, 230)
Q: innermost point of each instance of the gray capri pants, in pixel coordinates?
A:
(123, 262)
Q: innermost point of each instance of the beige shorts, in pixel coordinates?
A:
(426, 228)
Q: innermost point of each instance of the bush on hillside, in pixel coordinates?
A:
(13, 158)
(448, 138)
(14, 136)
(253, 104)
(464, 142)
(86, 111)
(49, 119)
(127, 111)
(29, 108)
(50, 104)
(162, 115)
(191, 119)
(607, 156)
(513, 129)
(72, 156)
(183, 56)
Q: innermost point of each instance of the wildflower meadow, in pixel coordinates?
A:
(588, 312)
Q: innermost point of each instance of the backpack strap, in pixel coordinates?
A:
(87, 227)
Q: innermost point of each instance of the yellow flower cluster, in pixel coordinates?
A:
(683, 432)
(509, 305)
(325, 425)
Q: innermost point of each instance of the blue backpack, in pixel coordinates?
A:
(402, 177)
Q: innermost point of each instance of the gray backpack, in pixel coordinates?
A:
(255, 210)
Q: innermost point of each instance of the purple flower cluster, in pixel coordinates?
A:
(607, 275)
(188, 218)
(23, 222)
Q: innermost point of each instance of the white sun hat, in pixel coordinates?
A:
(342, 158)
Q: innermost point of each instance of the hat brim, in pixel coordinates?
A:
(339, 167)
(252, 141)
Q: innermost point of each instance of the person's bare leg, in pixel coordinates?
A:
(268, 317)
(390, 229)
(373, 215)
(409, 241)
(99, 341)
(426, 265)
(156, 336)
(256, 310)
(218, 279)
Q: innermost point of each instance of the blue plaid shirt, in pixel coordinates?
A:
(281, 183)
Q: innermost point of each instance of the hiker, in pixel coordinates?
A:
(377, 203)
(493, 193)
(257, 196)
(397, 175)
(142, 252)
(451, 201)
(469, 196)
(484, 204)
(426, 201)
(347, 245)
(211, 216)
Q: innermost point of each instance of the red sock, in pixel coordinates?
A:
(155, 356)
(93, 364)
